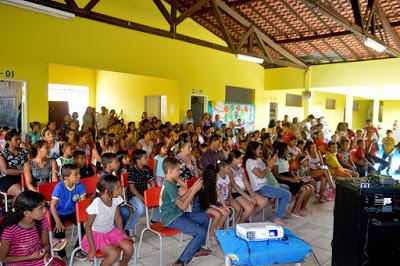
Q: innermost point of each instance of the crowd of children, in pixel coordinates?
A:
(238, 174)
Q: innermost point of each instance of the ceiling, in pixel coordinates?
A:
(295, 33)
(307, 31)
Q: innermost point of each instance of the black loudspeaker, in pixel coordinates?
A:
(366, 225)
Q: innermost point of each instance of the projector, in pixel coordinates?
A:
(259, 231)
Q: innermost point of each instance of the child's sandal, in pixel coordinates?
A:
(59, 244)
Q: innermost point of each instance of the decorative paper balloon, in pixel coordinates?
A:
(226, 109)
(231, 124)
(238, 108)
(246, 109)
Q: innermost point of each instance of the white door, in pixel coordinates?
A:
(152, 105)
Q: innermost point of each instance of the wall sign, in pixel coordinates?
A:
(7, 74)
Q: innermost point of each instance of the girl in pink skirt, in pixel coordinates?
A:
(101, 234)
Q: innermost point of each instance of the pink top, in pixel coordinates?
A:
(24, 242)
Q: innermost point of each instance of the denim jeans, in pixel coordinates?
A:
(281, 194)
(140, 209)
(196, 225)
(384, 156)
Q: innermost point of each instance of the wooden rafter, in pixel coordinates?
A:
(339, 37)
(222, 25)
(71, 3)
(294, 13)
(355, 5)
(263, 47)
(387, 28)
(234, 3)
(163, 11)
(369, 15)
(264, 37)
(244, 38)
(89, 6)
(344, 22)
(193, 9)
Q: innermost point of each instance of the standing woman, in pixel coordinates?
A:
(12, 159)
(54, 145)
(89, 120)
(40, 169)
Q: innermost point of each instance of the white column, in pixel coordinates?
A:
(375, 112)
(307, 102)
(348, 116)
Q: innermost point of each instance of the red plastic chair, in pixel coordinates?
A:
(23, 182)
(5, 195)
(150, 164)
(90, 184)
(151, 200)
(81, 218)
(47, 190)
(190, 182)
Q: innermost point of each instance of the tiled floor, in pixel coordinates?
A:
(316, 230)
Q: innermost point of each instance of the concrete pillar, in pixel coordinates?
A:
(375, 112)
(307, 101)
(348, 116)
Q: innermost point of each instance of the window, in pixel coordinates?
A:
(294, 100)
(330, 104)
(239, 95)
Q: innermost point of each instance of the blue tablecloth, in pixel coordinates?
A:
(292, 250)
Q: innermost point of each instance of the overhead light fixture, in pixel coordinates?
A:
(39, 8)
(250, 58)
(374, 45)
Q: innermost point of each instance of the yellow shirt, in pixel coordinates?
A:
(332, 161)
(388, 144)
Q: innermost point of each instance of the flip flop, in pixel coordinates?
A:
(59, 244)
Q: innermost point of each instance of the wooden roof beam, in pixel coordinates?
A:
(89, 6)
(193, 9)
(264, 37)
(355, 5)
(163, 11)
(222, 25)
(387, 27)
(345, 23)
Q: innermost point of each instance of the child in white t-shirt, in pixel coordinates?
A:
(101, 233)
(224, 187)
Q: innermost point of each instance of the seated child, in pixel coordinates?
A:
(335, 168)
(172, 208)
(158, 172)
(343, 155)
(363, 166)
(80, 160)
(66, 158)
(24, 233)
(140, 176)
(224, 188)
(285, 176)
(104, 229)
(63, 200)
(124, 162)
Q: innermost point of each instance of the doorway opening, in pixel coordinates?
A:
(13, 105)
(199, 106)
(66, 99)
(156, 106)
(273, 111)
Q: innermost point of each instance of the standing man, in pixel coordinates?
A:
(188, 118)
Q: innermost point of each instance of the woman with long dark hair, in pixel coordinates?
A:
(263, 181)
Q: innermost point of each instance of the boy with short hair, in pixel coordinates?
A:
(173, 213)
(66, 158)
(80, 160)
(64, 198)
(110, 164)
(139, 176)
(388, 144)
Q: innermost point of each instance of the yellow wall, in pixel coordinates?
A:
(360, 116)
(279, 96)
(332, 117)
(284, 78)
(128, 93)
(390, 113)
(70, 75)
(95, 45)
